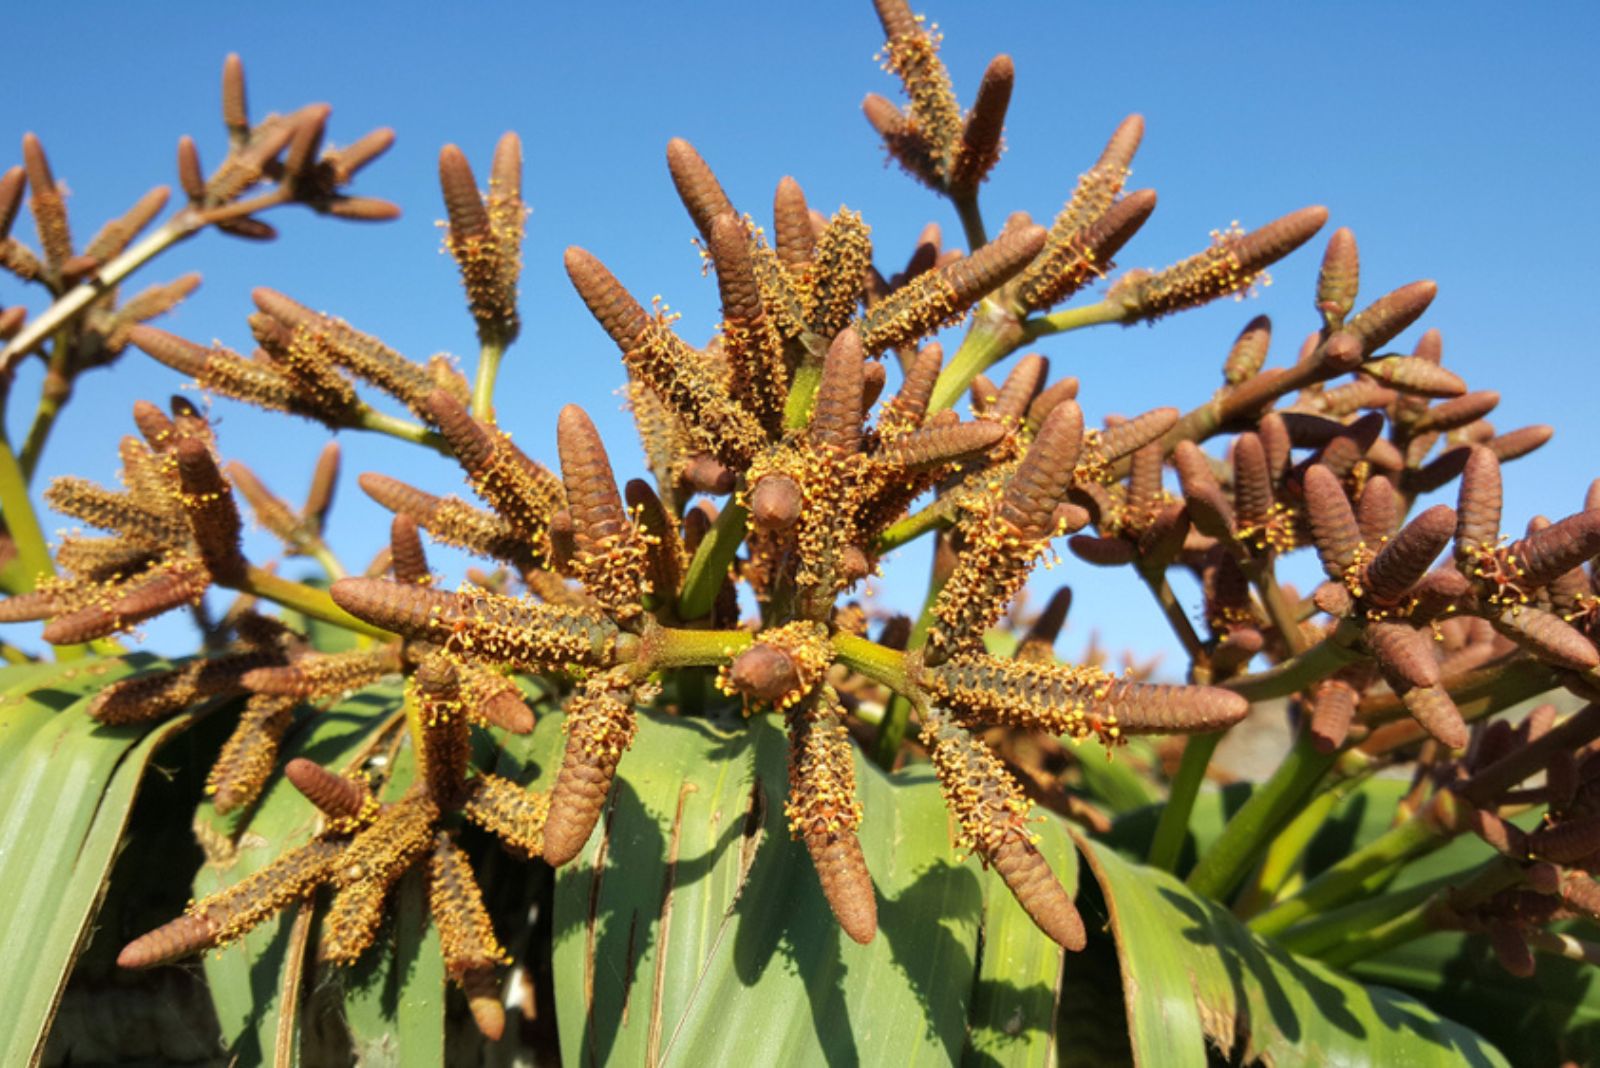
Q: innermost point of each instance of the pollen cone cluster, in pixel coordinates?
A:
(816, 428)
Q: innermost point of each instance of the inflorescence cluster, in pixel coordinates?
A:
(777, 466)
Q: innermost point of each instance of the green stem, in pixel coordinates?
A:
(72, 303)
(1297, 673)
(709, 568)
(1317, 936)
(892, 732)
(318, 550)
(53, 394)
(995, 334)
(672, 647)
(897, 717)
(1367, 869)
(971, 220)
(491, 348)
(1287, 851)
(878, 663)
(1173, 827)
(306, 600)
(1239, 403)
(1424, 918)
(1270, 808)
(1073, 319)
(380, 423)
(936, 516)
(1176, 617)
(1560, 944)
(1283, 617)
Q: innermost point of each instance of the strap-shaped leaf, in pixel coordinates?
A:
(67, 786)
(703, 935)
(1194, 977)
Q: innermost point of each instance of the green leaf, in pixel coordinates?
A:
(1552, 1018)
(67, 786)
(1193, 975)
(693, 931)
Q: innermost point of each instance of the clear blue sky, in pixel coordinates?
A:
(1455, 139)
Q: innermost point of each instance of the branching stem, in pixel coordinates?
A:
(490, 349)
(1073, 319)
(1368, 868)
(54, 393)
(994, 335)
(1362, 942)
(1272, 805)
(1173, 827)
(1279, 611)
(307, 600)
(971, 220)
(897, 718)
(72, 303)
(404, 429)
(1294, 675)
